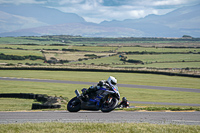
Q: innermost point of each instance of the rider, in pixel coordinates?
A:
(111, 81)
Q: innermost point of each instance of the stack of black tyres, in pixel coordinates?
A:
(18, 95)
(43, 106)
(39, 97)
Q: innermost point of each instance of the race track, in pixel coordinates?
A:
(188, 118)
(119, 85)
(93, 83)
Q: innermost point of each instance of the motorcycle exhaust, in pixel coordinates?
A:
(77, 93)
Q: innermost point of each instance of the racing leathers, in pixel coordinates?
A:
(93, 89)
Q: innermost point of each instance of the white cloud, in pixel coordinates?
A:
(137, 13)
(17, 2)
(63, 2)
(96, 11)
(169, 2)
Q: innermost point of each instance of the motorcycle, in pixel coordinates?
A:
(104, 99)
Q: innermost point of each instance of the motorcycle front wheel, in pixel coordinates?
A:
(107, 107)
(74, 105)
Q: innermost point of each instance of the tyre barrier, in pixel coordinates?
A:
(43, 106)
(39, 97)
(18, 95)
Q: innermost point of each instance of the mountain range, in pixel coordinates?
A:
(35, 20)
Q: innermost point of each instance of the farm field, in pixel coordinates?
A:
(170, 66)
(19, 62)
(73, 56)
(96, 48)
(26, 40)
(21, 52)
(148, 60)
(157, 49)
(32, 47)
(166, 57)
(123, 53)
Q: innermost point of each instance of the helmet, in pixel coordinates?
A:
(112, 80)
(124, 99)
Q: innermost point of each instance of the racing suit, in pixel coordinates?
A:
(92, 89)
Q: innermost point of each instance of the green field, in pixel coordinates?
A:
(166, 57)
(158, 49)
(87, 41)
(73, 56)
(55, 127)
(176, 65)
(21, 52)
(94, 48)
(26, 40)
(32, 47)
(15, 62)
(101, 61)
(156, 53)
(158, 61)
(123, 78)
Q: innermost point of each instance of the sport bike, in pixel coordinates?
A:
(103, 99)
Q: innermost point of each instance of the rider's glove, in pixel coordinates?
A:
(91, 87)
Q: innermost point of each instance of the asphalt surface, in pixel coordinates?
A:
(188, 118)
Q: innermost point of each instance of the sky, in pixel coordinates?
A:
(99, 10)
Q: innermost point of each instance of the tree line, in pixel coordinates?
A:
(16, 57)
(97, 39)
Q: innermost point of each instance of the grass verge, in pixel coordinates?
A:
(12, 104)
(161, 109)
(97, 128)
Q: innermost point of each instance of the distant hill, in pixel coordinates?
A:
(10, 22)
(83, 29)
(43, 14)
(17, 17)
(185, 20)
(28, 20)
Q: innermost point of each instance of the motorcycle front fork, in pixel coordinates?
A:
(109, 99)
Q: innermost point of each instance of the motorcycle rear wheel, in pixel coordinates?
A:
(110, 106)
(71, 107)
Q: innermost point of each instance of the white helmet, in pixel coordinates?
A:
(112, 80)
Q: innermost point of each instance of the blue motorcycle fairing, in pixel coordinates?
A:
(101, 93)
